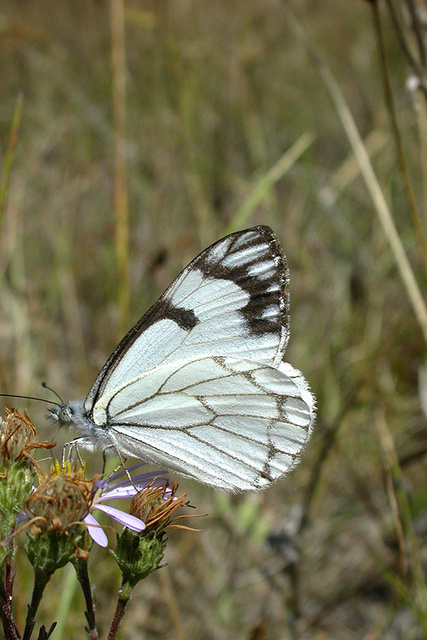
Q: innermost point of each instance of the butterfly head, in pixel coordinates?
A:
(67, 414)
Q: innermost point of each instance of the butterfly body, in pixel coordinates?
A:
(73, 415)
(199, 384)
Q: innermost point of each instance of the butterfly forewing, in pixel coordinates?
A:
(230, 300)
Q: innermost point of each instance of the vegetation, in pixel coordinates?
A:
(133, 134)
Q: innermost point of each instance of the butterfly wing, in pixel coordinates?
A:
(228, 422)
(232, 299)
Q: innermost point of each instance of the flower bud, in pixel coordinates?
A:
(138, 555)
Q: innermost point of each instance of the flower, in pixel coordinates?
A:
(155, 505)
(66, 497)
(140, 553)
(55, 510)
(119, 485)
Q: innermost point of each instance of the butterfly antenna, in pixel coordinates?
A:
(45, 386)
(14, 395)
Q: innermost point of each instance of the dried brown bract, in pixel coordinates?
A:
(18, 436)
(156, 505)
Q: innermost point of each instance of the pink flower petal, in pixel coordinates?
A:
(128, 491)
(95, 531)
(124, 518)
(118, 492)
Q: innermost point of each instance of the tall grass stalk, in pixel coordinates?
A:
(400, 33)
(118, 59)
(172, 604)
(8, 160)
(377, 195)
(421, 113)
(404, 525)
(400, 152)
(4, 183)
(69, 587)
(348, 171)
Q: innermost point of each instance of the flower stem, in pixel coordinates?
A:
(41, 578)
(9, 626)
(123, 599)
(10, 577)
(80, 565)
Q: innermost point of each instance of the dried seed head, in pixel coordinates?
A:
(155, 504)
(17, 433)
(61, 499)
(18, 436)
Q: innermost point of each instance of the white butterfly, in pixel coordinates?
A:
(198, 384)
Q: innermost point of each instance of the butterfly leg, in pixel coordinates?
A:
(104, 462)
(123, 464)
(104, 458)
(74, 446)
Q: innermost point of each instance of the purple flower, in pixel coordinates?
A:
(115, 487)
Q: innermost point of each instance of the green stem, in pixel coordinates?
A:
(40, 581)
(124, 597)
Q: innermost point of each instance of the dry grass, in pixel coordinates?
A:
(216, 95)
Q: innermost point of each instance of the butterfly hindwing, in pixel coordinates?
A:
(232, 299)
(231, 423)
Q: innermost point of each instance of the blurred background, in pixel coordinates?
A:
(134, 133)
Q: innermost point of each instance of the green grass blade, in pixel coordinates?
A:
(267, 181)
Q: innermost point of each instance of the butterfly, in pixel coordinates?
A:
(199, 384)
